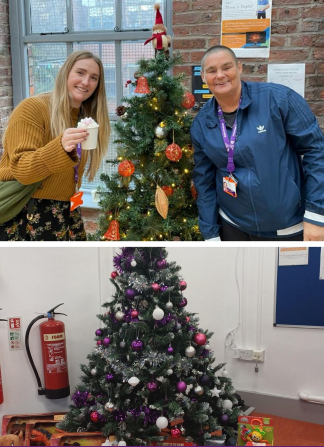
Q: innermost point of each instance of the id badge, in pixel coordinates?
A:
(229, 185)
(76, 200)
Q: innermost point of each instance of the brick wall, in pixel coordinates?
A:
(297, 36)
(5, 67)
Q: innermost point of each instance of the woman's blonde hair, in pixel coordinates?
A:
(94, 107)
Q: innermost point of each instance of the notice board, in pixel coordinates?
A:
(300, 293)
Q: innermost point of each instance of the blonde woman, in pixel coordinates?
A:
(42, 143)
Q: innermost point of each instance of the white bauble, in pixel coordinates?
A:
(169, 305)
(169, 372)
(109, 406)
(119, 315)
(94, 371)
(122, 443)
(162, 422)
(190, 351)
(122, 344)
(133, 264)
(133, 381)
(225, 373)
(227, 404)
(207, 347)
(158, 313)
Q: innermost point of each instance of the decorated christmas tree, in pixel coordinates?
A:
(151, 375)
(152, 196)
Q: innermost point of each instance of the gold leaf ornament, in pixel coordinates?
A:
(161, 202)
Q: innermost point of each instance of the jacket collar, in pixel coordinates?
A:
(211, 106)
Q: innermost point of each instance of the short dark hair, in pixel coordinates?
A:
(216, 49)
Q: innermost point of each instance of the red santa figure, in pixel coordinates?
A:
(160, 40)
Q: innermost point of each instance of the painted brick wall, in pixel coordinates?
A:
(5, 67)
(297, 36)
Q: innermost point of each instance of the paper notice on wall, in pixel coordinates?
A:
(291, 75)
(246, 27)
(322, 264)
(293, 256)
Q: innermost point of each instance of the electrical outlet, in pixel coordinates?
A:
(246, 354)
(258, 355)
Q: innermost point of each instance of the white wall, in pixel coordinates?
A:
(36, 279)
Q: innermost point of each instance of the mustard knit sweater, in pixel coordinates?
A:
(31, 154)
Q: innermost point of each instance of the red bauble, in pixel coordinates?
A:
(155, 287)
(193, 192)
(94, 416)
(173, 152)
(112, 234)
(200, 339)
(175, 432)
(188, 100)
(134, 313)
(183, 285)
(126, 168)
(167, 190)
(114, 275)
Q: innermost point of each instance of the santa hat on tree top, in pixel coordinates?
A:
(158, 18)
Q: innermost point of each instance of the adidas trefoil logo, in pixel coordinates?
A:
(261, 129)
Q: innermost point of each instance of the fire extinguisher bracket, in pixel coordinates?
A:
(52, 335)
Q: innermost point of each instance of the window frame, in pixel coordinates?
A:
(21, 36)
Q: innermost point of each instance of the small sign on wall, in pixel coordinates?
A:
(15, 333)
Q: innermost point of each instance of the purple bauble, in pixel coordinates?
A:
(109, 377)
(181, 387)
(98, 332)
(152, 386)
(161, 264)
(164, 288)
(170, 350)
(155, 287)
(224, 419)
(99, 342)
(106, 341)
(130, 293)
(204, 379)
(183, 303)
(137, 345)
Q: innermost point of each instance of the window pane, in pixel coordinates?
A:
(47, 16)
(131, 53)
(139, 13)
(106, 52)
(93, 14)
(105, 167)
(44, 61)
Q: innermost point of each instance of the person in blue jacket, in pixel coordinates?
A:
(259, 158)
(262, 5)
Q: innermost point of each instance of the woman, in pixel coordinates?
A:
(42, 143)
(250, 176)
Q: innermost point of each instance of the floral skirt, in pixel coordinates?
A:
(51, 220)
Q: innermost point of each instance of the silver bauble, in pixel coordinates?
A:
(109, 406)
(160, 132)
(169, 372)
(199, 390)
(169, 305)
(190, 351)
(207, 347)
(119, 315)
(94, 371)
(122, 344)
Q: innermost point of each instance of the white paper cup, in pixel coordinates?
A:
(92, 141)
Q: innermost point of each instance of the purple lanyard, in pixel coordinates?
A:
(76, 168)
(229, 143)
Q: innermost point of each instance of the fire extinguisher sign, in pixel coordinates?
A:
(15, 335)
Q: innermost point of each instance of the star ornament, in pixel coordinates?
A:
(215, 392)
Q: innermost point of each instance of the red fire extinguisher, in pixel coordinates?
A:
(54, 354)
(1, 389)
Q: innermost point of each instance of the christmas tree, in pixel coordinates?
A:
(151, 374)
(152, 196)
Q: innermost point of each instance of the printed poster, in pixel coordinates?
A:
(246, 27)
(293, 256)
(291, 75)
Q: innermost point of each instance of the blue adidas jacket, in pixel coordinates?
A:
(277, 188)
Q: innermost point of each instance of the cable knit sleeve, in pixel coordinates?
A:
(32, 155)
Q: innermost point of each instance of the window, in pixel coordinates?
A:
(44, 33)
